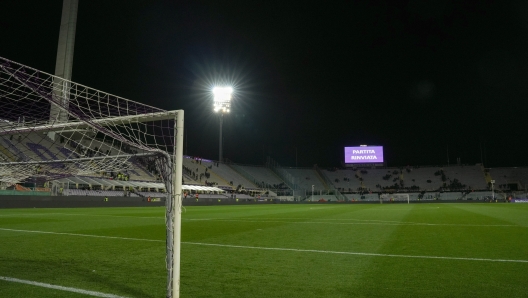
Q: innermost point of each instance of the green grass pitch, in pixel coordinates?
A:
(305, 250)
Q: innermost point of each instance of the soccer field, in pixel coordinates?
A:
(304, 250)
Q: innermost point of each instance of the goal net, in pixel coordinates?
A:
(53, 128)
(395, 198)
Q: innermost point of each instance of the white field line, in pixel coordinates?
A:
(281, 220)
(105, 215)
(385, 223)
(81, 235)
(61, 288)
(284, 249)
(402, 209)
(311, 218)
(356, 253)
(323, 208)
(81, 214)
(372, 220)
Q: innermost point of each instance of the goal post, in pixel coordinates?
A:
(404, 197)
(176, 208)
(97, 135)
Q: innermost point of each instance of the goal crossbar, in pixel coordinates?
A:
(57, 126)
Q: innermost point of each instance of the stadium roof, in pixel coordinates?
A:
(203, 188)
(141, 184)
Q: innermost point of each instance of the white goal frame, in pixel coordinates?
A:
(28, 92)
(176, 200)
(174, 186)
(398, 197)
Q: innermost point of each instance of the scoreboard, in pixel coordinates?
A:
(363, 154)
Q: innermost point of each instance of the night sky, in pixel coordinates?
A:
(417, 77)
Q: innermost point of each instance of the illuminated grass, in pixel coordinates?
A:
(272, 251)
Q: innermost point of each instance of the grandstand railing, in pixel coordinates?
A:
(282, 173)
(329, 183)
(245, 174)
(251, 178)
(303, 193)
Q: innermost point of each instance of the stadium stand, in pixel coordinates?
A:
(343, 180)
(424, 178)
(261, 176)
(38, 148)
(378, 179)
(509, 178)
(359, 184)
(305, 178)
(363, 197)
(196, 169)
(470, 176)
(230, 175)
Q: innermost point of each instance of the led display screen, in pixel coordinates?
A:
(364, 154)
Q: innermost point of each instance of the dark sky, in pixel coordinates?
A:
(413, 76)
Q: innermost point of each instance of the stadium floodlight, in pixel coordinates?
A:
(222, 99)
(222, 105)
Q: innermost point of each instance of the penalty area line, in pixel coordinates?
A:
(356, 253)
(61, 288)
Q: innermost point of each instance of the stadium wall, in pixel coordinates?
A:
(73, 202)
(90, 201)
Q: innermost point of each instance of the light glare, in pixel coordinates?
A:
(222, 98)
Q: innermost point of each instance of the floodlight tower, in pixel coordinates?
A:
(492, 192)
(222, 105)
(64, 61)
